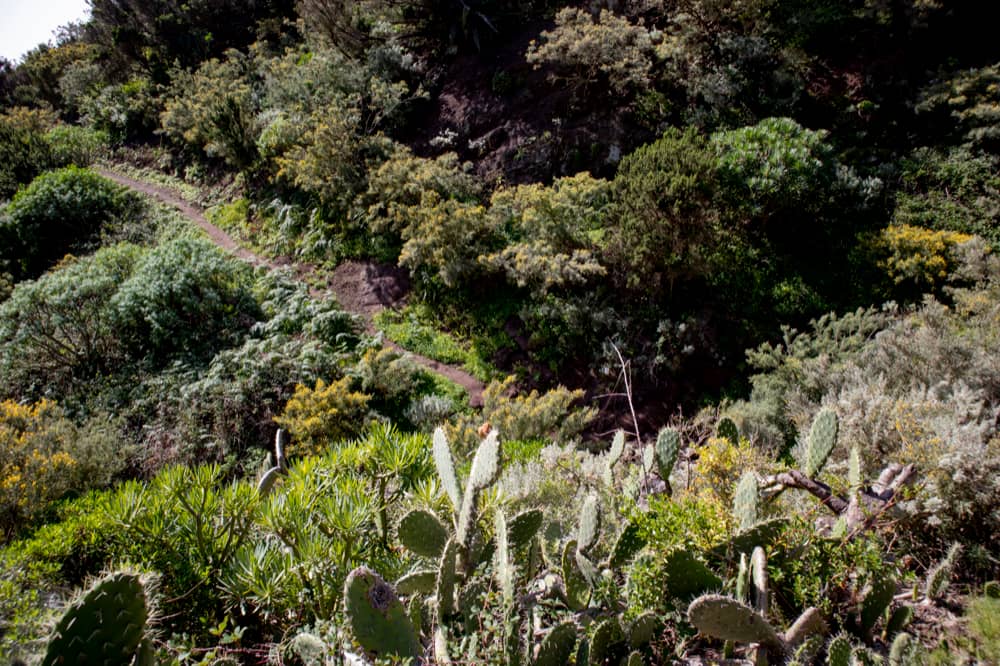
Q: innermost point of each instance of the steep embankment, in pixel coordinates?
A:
(361, 288)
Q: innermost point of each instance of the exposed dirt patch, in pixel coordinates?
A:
(361, 288)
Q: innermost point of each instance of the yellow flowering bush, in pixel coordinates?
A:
(35, 467)
(522, 417)
(317, 417)
(918, 255)
(720, 464)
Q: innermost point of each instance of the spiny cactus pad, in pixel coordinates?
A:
(577, 587)
(644, 629)
(838, 651)
(746, 500)
(590, 524)
(877, 599)
(614, 455)
(627, 546)
(523, 527)
(447, 580)
(445, 466)
(557, 646)
(898, 620)
(727, 430)
(687, 576)
(905, 651)
(608, 639)
(742, 579)
(423, 533)
(417, 582)
(939, 577)
(668, 447)
(809, 625)
(731, 620)
(822, 439)
(378, 619)
(105, 626)
(762, 534)
(267, 481)
(758, 579)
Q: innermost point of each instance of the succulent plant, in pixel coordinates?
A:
(668, 447)
(732, 620)
(746, 500)
(939, 576)
(727, 430)
(379, 621)
(822, 439)
(107, 625)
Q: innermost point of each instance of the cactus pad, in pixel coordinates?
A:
(668, 447)
(422, 533)
(627, 546)
(557, 646)
(614, 455)
(590, 524)
(810, 625)
(106, 625)
(418, 582)
(746, 500)
(744, 541)
(644, 629)
(445, 466)
(877, 599)
(577, 587)
(727, 430)
(838, 651)
(731, 620)
(447, 580)
(267, 481)
(523, 527)
(687, 576)
(379, 621)
(607, 640)
(939, 577)
(822, 439)
(758, 579)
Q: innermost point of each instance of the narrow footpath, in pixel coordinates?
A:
(357, 285)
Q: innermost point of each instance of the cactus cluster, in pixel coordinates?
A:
(107, 625)
(734, 620)
(939, 576)
(668, 448)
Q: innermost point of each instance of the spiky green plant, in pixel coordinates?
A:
(557, 646)
(939, 576)
(838, 651)
(107, 625)
(822, 439)
(727, 430)
(614, 456)
(732, 620)
(668, 447)
(746, 500)
(378, 619)
(877, 599)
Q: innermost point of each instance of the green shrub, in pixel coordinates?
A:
(24, 153)
(609, 50)
(64, 211)
(59, 330)
(184, 298)
(984, 624)
(72, 145)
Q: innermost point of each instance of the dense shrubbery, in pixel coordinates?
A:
(61, 212)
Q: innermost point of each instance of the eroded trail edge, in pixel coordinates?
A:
(357, 285)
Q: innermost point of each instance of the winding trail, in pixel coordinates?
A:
(361, 288)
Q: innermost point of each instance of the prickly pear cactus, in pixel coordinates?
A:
(686, 575)
(877, 599)
(557, 646)
(626, 547)
(523, 527)
(590, 524)
(378, 620)
(105, 626)
(727, 430)
(644, 629)
(822, 439)
(731, 620)
(758, 576)
(746, 500)
(484, 473)
(742, 578)
(608, 639)
(576, 585)
(762, 534)
(898, 620)
(423, 533)
(445, 466)
(668, 447)
(854, 478)
(939, 577)
(838, 651)
(447, 581)
(614, 455)
(905, 651)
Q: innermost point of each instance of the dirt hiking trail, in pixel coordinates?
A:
(361, 288)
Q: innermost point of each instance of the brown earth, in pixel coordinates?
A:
(362, 288)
